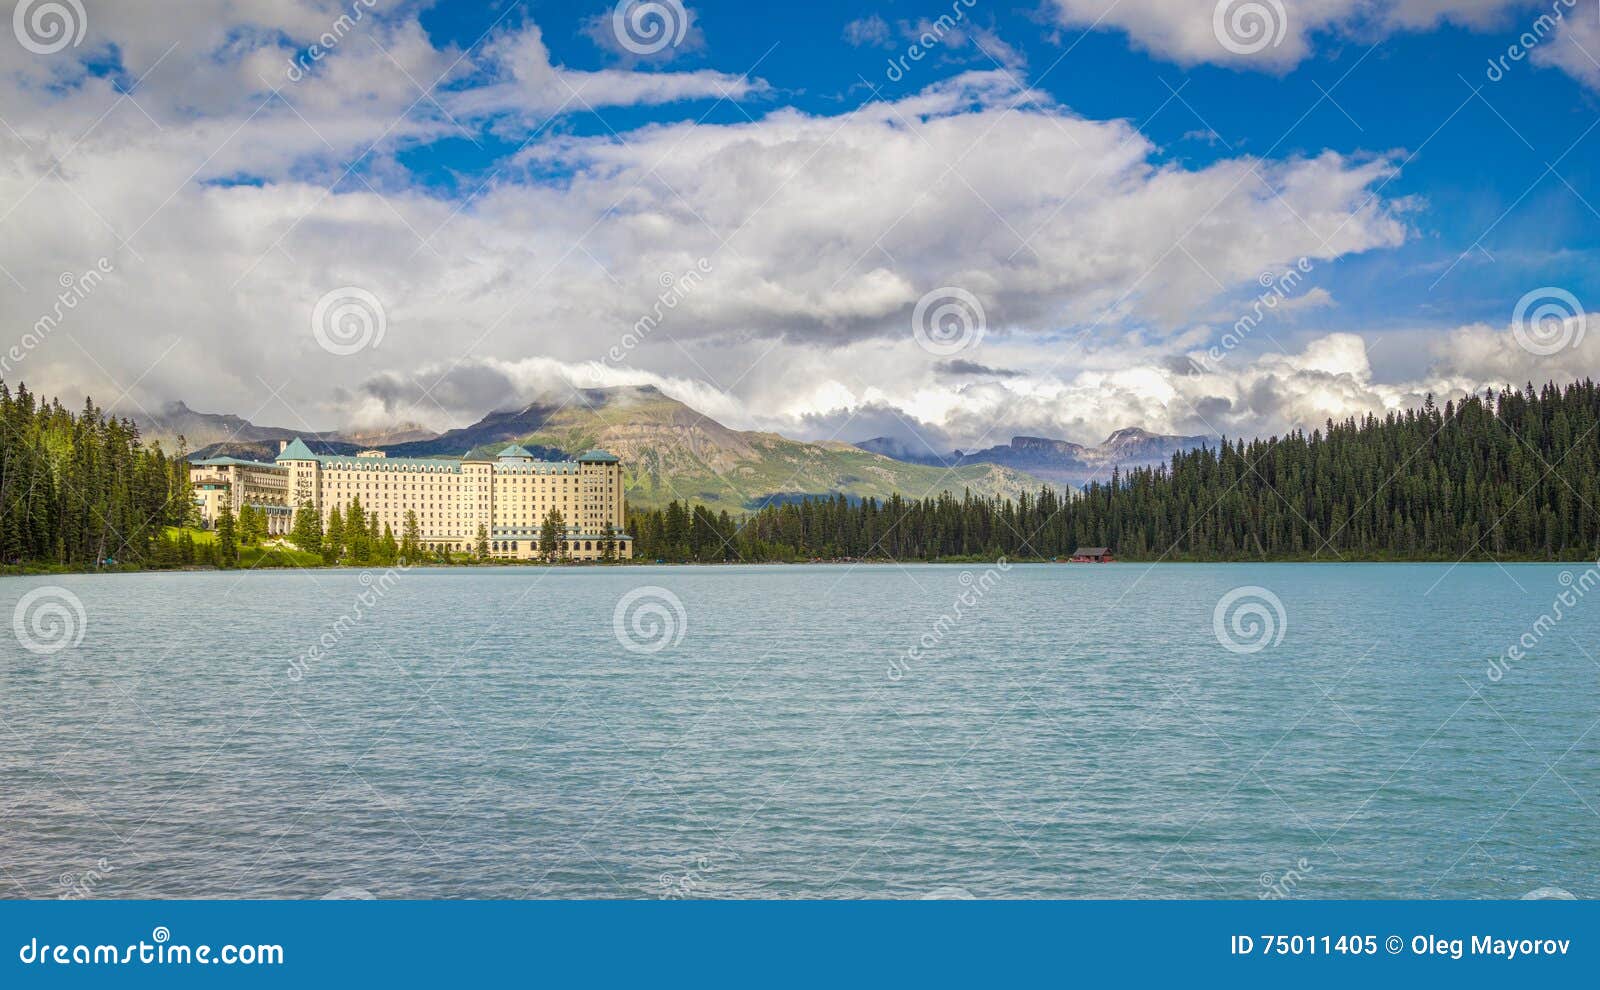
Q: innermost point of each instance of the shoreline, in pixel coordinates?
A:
(44, 570)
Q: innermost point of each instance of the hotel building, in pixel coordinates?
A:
(217, 480)
(509, 496)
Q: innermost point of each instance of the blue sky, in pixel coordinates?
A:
(504, 192)
(1481, 170)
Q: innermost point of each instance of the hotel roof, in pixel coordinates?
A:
(298, 451)
(231, 462)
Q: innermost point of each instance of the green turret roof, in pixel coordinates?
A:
(296, 451)
(516, 451)
(602, 456)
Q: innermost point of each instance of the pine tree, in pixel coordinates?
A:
(307, 532)
(357, 540)
(333, 539)
(482, 546)
(552, 535)
(227, 538)
(411, 539)
(391, 548)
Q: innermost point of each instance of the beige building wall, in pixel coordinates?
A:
(509, 495)
(238, 483)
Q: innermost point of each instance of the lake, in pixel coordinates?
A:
(1108, 731)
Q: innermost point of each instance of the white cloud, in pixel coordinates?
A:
(1575, 46)
(870, 30)
(1107, 388)
(521, 79)
(1271, 35)
(818, 234)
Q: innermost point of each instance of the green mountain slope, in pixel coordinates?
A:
(670, 451)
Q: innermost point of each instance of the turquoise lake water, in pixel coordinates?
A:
(1329, 731)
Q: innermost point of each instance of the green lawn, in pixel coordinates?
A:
(197, 535)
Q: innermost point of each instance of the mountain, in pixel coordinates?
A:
(670, 451)
(267, 450)
(219, 434)
(1059, 461)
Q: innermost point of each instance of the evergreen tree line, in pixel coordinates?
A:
(81, 489)
(1509, 474)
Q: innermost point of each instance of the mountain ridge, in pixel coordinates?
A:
(204, 430)
(1062, 462)
(672, 451)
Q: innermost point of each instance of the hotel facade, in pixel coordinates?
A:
(509, 496)
(237, 482)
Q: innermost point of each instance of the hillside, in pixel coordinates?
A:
(1510, 475)
(224, 433)
(670, 451)
(1060, 462)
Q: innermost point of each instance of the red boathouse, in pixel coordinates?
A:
(1093, 555)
